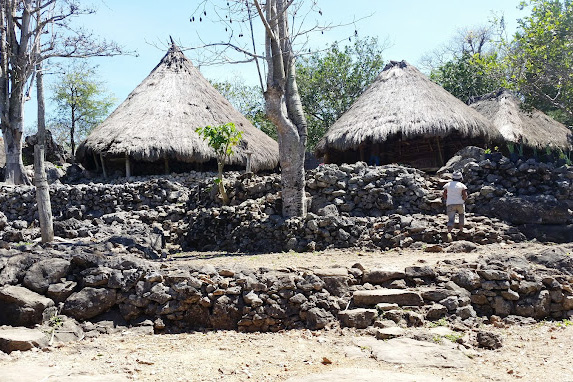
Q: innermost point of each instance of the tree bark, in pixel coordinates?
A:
(221, 185)
(41, 180)
(284, 109)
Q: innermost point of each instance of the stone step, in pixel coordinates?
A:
(364, 298)
(359, 318)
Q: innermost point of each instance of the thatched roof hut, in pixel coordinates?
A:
(404, 117)
(532, 128)
(155, 125)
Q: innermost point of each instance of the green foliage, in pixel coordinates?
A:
(441, 322)
(471, 75)
(542, 54)
(249, 101)
(565, 323)
(82, 103)
(330, 81)
(222, 139)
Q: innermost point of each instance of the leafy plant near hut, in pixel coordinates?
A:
(222, 139)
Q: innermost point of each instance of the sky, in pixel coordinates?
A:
(412, 28)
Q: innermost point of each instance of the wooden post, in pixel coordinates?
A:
(166, 164)
(248, 167)
(127, 166)
(362, 154)
(103, 165)
(96, 162)
(440, 156)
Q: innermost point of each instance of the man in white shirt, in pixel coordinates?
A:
(455, 194)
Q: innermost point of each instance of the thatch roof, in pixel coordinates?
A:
(531, 127)
(402, 100)
(158, 119)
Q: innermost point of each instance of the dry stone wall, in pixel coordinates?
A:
(85, 283)
(350, 205)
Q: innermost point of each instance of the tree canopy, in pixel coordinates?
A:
(331, 80)
(542, 54)
(82, 103)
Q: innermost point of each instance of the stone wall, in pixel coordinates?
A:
(350, 205)
(86, 283)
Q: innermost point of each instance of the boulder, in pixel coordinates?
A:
(89, 302)
(46, 272)
(539, 209)
(555, 257)
(21, 307)
(21, 339)
(357, 318)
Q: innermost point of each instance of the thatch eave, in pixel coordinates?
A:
(403, 103)
(158, 120)
(532, 128)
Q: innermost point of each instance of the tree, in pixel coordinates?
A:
(542, 54)
(471, 64)
(82, 103)
(222, 139)
(40, 178)
(330, 81)
(32, 31)
(249, 101)
(471, 75)
(282, 100)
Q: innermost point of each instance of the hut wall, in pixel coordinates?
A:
(426, 153)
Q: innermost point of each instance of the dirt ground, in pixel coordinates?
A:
(537, 352)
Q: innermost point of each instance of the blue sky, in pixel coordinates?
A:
(413, 27)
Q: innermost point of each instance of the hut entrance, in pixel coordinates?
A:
(427, 153)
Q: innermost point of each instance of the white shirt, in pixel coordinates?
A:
(454, 189)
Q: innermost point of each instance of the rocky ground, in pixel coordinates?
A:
(531, 351)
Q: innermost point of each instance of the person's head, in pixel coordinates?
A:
(457, 175)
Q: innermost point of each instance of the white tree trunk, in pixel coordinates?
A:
(14, 169)
(42, 187)
(284, 109)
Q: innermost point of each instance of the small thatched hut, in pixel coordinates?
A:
(531, 128)
(153, 130)
(404, 117)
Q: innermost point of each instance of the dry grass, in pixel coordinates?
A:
(532, 127)
(158, 119)
(404, 101)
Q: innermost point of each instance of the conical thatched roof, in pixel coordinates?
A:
(402, 100)
(531, 127)
(158, 119)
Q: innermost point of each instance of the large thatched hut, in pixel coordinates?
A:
(531, 128)
(153, 130)
(404, 117)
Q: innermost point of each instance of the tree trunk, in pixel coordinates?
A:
(221, 185)
(72, 133)
(14, 169)
(284, 109)
(42, 187)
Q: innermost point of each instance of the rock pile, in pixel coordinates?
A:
(350, 205)
(86, 283)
